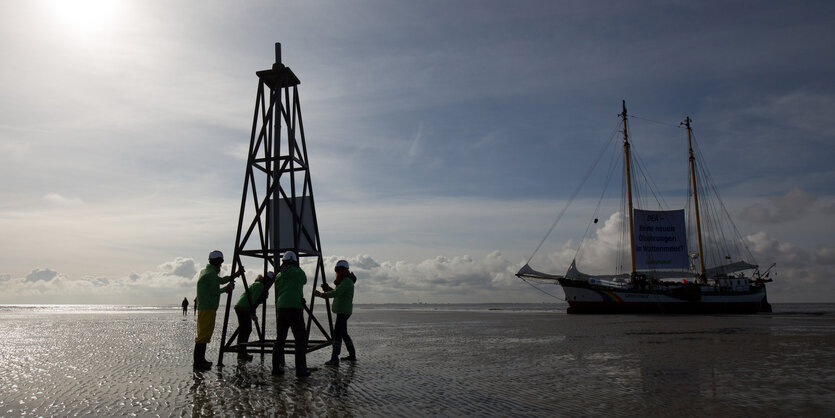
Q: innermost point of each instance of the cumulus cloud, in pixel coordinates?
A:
(439, 279)
(800, 275)
(790, 206)
(765, 248)
(41, 275)
(183, 267)
(169, 282)
(598, 254)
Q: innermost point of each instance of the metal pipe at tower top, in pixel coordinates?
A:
(278, 52)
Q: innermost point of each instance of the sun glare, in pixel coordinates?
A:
(85, 17)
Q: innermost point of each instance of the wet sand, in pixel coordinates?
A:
(421, 360)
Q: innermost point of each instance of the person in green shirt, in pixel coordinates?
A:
(343, 305)
(289, 305)
(208, 294)
(258, 293)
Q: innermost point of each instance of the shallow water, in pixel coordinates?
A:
(446, 360)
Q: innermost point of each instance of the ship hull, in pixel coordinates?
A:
(584, 298)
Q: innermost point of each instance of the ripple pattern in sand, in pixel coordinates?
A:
(426, 363)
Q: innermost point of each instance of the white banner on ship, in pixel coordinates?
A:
(660, 240)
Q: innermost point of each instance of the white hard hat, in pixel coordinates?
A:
(215, 255)
(342, 263)
(289, 256)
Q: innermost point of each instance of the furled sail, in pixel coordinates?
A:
(575, 274)
(729, 268)
(527, 272)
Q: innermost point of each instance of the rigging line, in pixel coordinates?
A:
(651, 186)
(553, 296)
(703, 167)
(613, 167)
(575, 193)
(655, 121)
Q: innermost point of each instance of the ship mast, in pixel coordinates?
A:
(695, 198)
(628, 189)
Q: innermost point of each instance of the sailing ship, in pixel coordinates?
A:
(665, 276)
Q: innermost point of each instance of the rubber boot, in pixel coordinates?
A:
(352, 352)
(301, 360)
(278, 359)
(200, 362)
(206, 363)
(243, 355)
(337, 348)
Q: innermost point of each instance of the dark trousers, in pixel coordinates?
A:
(291, 318)
(340, 334)
(244, 325)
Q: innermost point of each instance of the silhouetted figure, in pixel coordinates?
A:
(208, 293)
(185, 306)
(194, 309)
(343, 305)
(289, 306)
(258, 293)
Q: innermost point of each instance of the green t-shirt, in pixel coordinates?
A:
(208, 287)
(255, 291)
(343, 297)
(289, 287)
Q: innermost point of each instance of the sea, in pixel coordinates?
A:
(427, 360)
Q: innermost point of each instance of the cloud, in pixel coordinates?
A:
(168, 283)
(828, 209)
(791, 206)
(597, 255)
(414, 148)
(788, 255)
(59, 200)
(97, 281)
(439, 279)
(799, 275)
(825, 256)
(41, 275)
(183, 267)
(798, 111)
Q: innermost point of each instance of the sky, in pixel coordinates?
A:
(443, 137)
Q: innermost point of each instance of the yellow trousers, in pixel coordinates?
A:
(205, 325)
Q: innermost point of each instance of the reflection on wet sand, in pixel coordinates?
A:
(428, 362)
(250, 388)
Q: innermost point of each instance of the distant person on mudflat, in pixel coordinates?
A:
(289, 305)
(208, 293)
(194, 309)
(185, 306)
(258, 293)
(343, 305)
